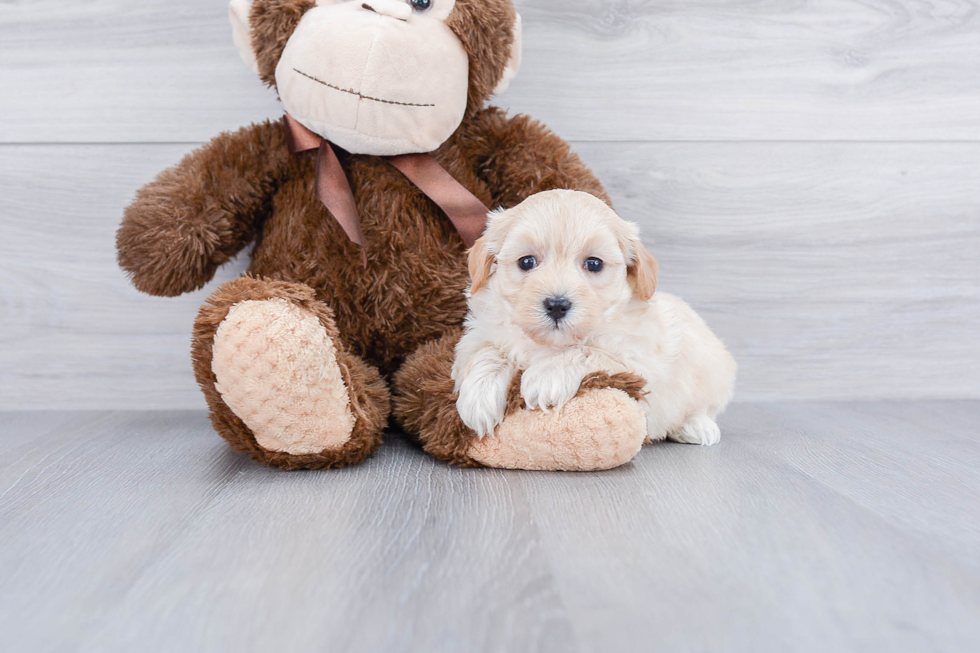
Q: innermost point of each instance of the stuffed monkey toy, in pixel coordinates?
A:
(361, 204)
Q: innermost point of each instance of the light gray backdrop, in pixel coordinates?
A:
(808, 174)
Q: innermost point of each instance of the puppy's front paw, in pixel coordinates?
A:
(482, 401)
(548, 385)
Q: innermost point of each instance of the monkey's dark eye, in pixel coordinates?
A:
(593, 264)
(421, 5)
(528, 263)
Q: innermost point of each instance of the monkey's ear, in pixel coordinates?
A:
(514, 63)
(241, 32)
(481, 264)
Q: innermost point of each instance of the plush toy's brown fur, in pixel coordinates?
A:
(273, 22)
(426, 403)
(246, 187)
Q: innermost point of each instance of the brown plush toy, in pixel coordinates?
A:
(361, 205)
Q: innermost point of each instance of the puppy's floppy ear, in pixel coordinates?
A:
(481, 263)
(642, 270)
(484, 252)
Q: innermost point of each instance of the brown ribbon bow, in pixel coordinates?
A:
(467, 213)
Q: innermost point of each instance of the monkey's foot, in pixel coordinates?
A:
(602, 427)
(276, 368)
(599, 429)
(281, 385)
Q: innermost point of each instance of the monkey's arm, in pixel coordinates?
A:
(197, 215)
(518, 157)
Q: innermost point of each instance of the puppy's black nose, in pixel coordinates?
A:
(557, 307)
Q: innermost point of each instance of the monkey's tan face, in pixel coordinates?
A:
(382, 77)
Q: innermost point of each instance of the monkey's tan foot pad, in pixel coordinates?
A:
(597, 430)
(602, 427)
(276, 368)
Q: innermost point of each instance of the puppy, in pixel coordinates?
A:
(562, 287)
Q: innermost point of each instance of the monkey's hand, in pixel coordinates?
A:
(197, 215)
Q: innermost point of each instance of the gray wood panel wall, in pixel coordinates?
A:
(807, 173)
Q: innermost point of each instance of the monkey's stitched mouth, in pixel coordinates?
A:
(359, 94)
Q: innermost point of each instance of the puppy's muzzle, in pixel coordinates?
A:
(557, 308)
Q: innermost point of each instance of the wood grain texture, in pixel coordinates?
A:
(831, 270)
(811, 527)
(166, 70)
(783, 538)
(75, 334)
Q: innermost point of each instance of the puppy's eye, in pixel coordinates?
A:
(593, 264)
(528, 263)
(421, 6)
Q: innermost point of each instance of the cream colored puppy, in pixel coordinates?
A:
(562, 287)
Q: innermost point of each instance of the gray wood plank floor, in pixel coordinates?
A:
(812, 527)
